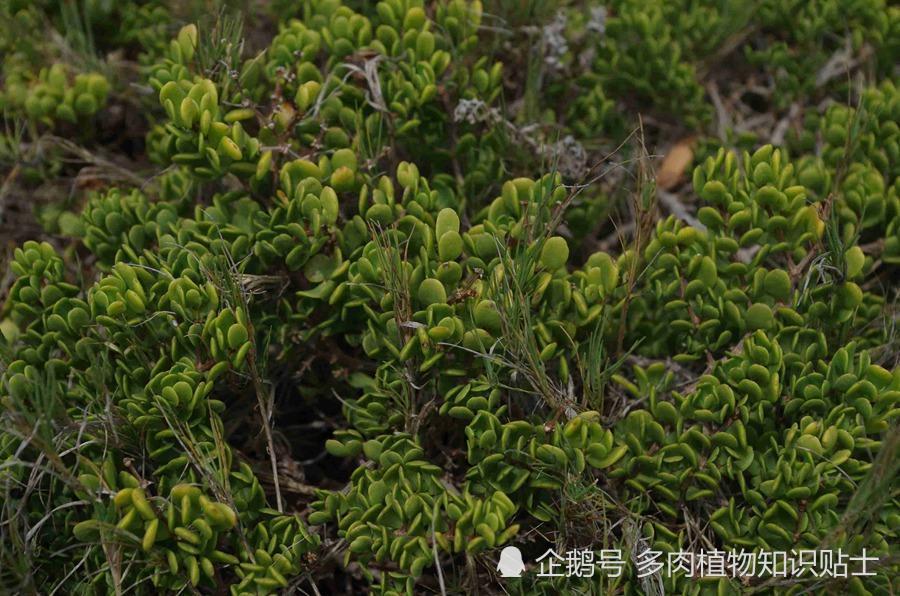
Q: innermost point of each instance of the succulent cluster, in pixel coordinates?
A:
(353, 295)
(58, 92)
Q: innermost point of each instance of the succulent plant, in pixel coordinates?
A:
(358, 294)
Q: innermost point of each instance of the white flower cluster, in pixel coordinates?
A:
(474, 111)
(555, 44)
(597, 22)
(570, 157)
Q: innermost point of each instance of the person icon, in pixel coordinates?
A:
(511, 564)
